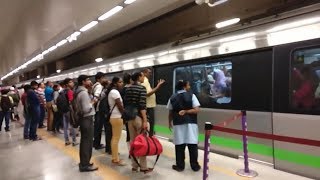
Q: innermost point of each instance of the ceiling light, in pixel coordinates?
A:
(129, 1)
(52, 48)
(88, 26)
(99, 60)
(38, 76)
(233, 38)
(195, 46)
(58, 71)
(45, 52)
(110, 13)
(61, 42)
(294, 24)
(128, 61)
(218, 2)
(73, 36)
(145, 57)
(227, 23)
(113, 64)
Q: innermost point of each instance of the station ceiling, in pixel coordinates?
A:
(31, 26)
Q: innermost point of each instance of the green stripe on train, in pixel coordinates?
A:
(280, 154)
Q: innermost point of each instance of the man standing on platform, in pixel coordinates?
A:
(87, 112)
(151, 97)
(48, 92)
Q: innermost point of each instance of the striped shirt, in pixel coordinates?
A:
(42, 98)
(136, 94)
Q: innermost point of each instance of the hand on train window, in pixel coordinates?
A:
(160, 82)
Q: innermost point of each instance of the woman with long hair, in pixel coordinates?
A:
(116, 109)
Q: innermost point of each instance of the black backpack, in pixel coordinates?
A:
(5, 103)
(104, 108)
(63, 102)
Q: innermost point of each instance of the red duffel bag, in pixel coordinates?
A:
(144, 145)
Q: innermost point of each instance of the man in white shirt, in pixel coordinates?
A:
(151, 97)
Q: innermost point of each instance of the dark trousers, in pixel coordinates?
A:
(180, 155)
(86, 140)
(99, 122)
(150, 113)
(42, 115)
(35, 116)
(108, 136)
(57, 121)
(6, 116)
(128, 134)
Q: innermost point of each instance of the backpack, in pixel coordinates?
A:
(144, 145)
(63, 102)
(104, 108)
(76, 112)
(5, 103)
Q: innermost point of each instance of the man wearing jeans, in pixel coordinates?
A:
(26, 113)
(86, 123)
(34, 109)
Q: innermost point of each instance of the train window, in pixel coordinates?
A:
(305, 79)
(210, 82)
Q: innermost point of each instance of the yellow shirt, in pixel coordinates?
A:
(151, 100)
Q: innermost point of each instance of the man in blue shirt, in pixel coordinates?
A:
(34, 109)
(49, 99)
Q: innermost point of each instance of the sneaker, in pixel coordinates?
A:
(75, 144)
(67, 143)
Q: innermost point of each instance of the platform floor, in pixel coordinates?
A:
(50, 159)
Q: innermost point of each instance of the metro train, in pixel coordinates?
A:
(271, 70)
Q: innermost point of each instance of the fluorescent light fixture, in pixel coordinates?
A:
(39, 57)
(73, 36)
(128, 61)
(113, 64)
(145, 57)
(110, 13)
(295, 24)
(163, 53)
(129, 1)
(52, 48)
(195, 46)
(227, 23)
(58, 70)
(45, 52)
(38, 76)
(89, 26)
(99, 60)
(92, 68)
(218, 2)
(61, 42)
(102, 66)
(233, 38)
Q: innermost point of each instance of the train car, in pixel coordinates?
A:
(271, 69)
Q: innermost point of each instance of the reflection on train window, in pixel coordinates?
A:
(305, 78)
(210, 82)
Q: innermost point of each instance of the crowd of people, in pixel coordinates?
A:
(83, 109)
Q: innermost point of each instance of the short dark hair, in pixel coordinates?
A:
(135, 76)
(27, 87)
(99, 75)
(66, 81)
(33, 83)
(126, 78)
(48, 82)
(181, 84)
(55, 87)
(82, 78)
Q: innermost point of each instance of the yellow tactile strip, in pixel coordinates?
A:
(104, 171)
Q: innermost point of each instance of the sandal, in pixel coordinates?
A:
(134, 169)
(119, 163)
(146, 170)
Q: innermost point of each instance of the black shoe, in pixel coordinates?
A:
(196, 168)
(25, 137)
(7, 129)
(175, 167)
(101, 146)
(91, 164)
(88, 169)
(42, 126)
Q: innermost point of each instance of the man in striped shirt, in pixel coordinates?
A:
(135, 96)
(42, 98)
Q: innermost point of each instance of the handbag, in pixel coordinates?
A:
(145, 145)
